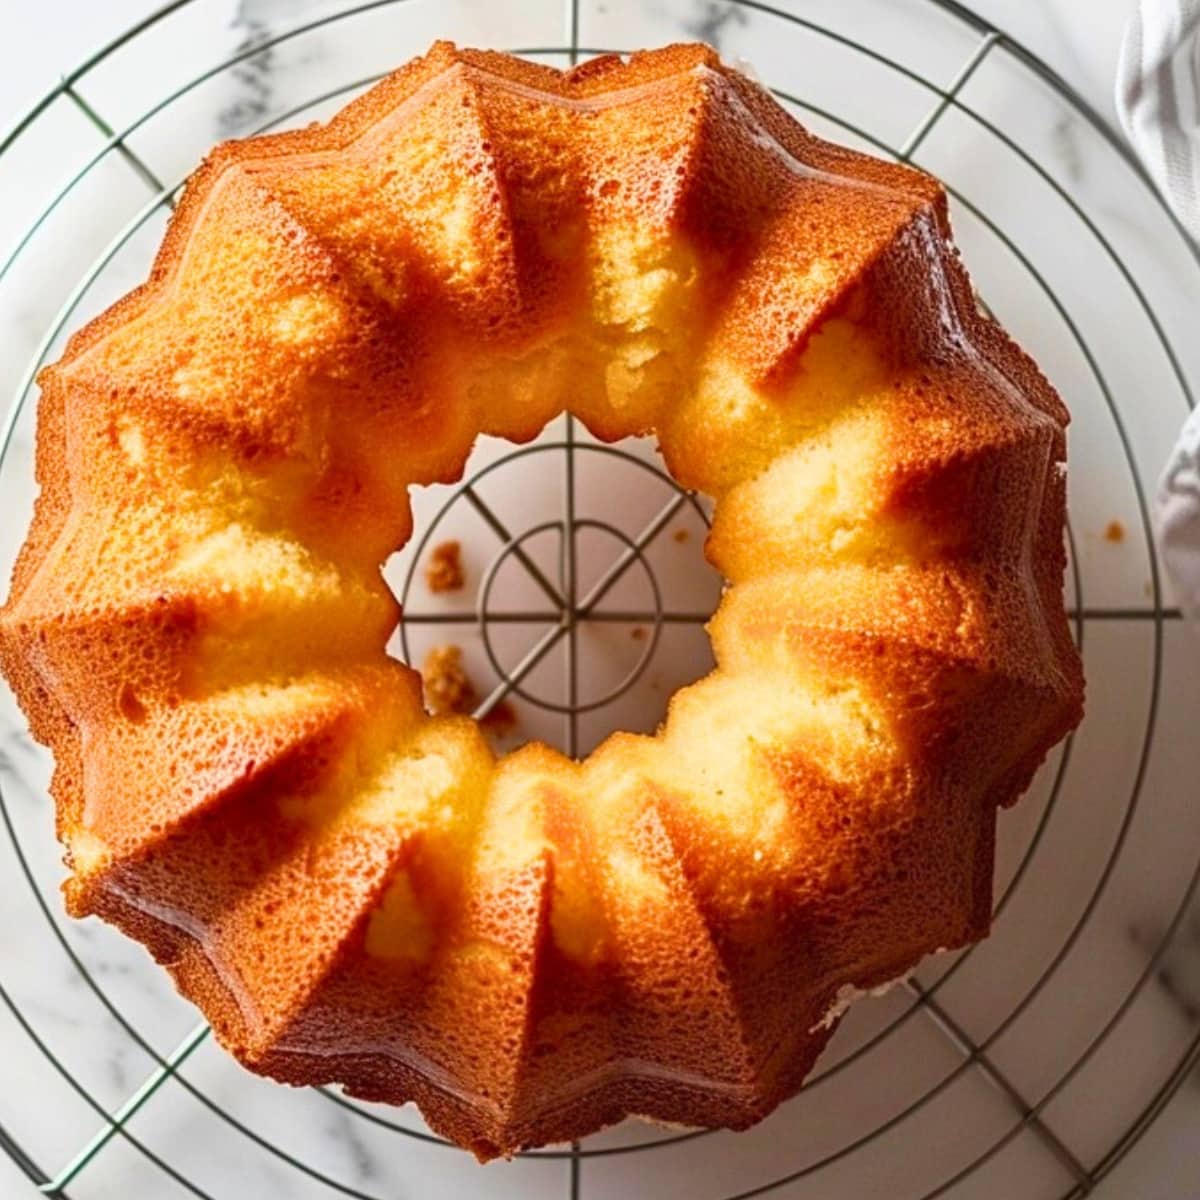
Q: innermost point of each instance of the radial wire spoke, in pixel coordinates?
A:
(959, 1038)
(968, 69)
(153, 1082)
(518, 551)
(618, 616)
(472, 618)
(570, 569)
(138, 164)
(630, 555)
(533, 656)
(626, 617)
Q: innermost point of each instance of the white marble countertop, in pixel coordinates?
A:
(1079, 38)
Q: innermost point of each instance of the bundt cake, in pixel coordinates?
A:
(356, 892)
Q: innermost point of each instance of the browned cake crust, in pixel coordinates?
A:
(355, 892)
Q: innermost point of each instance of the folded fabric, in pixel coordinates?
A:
(1158, 100)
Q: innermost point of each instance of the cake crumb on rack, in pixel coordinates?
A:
(1114, 531)
(681, 535)
(638, 633)
(444, 568)
(448, 687)
(450, 692)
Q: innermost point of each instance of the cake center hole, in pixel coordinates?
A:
(559, 591)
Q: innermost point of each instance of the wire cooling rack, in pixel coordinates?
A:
(940, 1088)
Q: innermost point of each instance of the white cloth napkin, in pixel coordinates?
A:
(1158, 100)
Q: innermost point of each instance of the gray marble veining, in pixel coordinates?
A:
(344, 1127)
(710, 20)
(1178, 969)
(252, 76)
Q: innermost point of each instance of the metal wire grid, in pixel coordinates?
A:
(568, 612)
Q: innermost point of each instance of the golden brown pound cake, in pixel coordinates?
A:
(354, 892)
